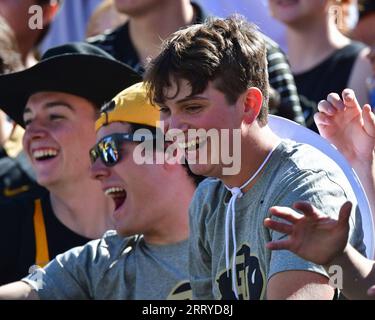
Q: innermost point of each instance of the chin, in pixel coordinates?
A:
(202, 170)
(123, 230)
(46, 182)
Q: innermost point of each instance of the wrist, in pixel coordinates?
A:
(338, 258)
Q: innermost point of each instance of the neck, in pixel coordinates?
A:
(148, 31)
(174, 227)
(311, 43)
(86, 212)
(256, 144)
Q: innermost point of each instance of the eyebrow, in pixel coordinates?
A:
(189, 98)
(53, 104)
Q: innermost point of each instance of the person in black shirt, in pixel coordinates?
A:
(140, 38)
(323, 60)
(57, 102)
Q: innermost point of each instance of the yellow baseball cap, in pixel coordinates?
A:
(130, 105)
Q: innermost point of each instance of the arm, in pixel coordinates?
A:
(18, 291)
(282, 80)
(299, 285)
(360, 72)
(352, 130)
(323, 240)
(68, 276)
(327, 189)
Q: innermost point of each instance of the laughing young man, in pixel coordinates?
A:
(214, 76)
(57, 101)
(147, 258)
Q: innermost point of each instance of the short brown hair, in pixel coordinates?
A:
(229, 52)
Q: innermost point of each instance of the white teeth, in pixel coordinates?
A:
(44, 153)
(191, 143)
(114, 190)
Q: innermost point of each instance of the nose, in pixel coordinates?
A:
(36, 130)
(176, 121)
(33, 132)
(99, 171)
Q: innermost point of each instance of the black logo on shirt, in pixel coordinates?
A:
(182, 291)
(249, 278)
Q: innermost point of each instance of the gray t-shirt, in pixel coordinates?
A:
(294, 172)
(116, 268)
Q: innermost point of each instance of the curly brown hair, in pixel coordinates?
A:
(230, 53)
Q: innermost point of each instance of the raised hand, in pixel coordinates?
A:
(350, 128)
(313, 236)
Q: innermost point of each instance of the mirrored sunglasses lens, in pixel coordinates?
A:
(109, 152)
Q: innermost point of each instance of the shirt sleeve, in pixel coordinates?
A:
(324, 192)
(68, 276)
(282, 80)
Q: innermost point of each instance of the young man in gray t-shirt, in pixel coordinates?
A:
(147, 256)
(212, 77)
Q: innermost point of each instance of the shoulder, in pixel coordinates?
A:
(303, 156)
(207, 189)
(302, 172)
(361, 70)
(22, 204)
(207, 197)
(353, 49)
(304, 163)
(97, 254)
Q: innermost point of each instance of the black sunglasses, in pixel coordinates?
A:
(108, 148)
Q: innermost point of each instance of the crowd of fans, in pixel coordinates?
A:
(97, 224)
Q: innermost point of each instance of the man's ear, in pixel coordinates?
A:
(252, 104)
(49, 12)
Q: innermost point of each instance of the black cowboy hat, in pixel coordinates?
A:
(78, 68)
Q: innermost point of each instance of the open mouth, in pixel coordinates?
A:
(117, 194)
(192, 145)
(44, 154)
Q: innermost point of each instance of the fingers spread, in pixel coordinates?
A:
(336, 102)
(278, 226)
(322, 120)
(326, 107)
(344, 214)
(285, 213)
(368, 120)
(307, 208)
(350, 99)
(279, 245)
